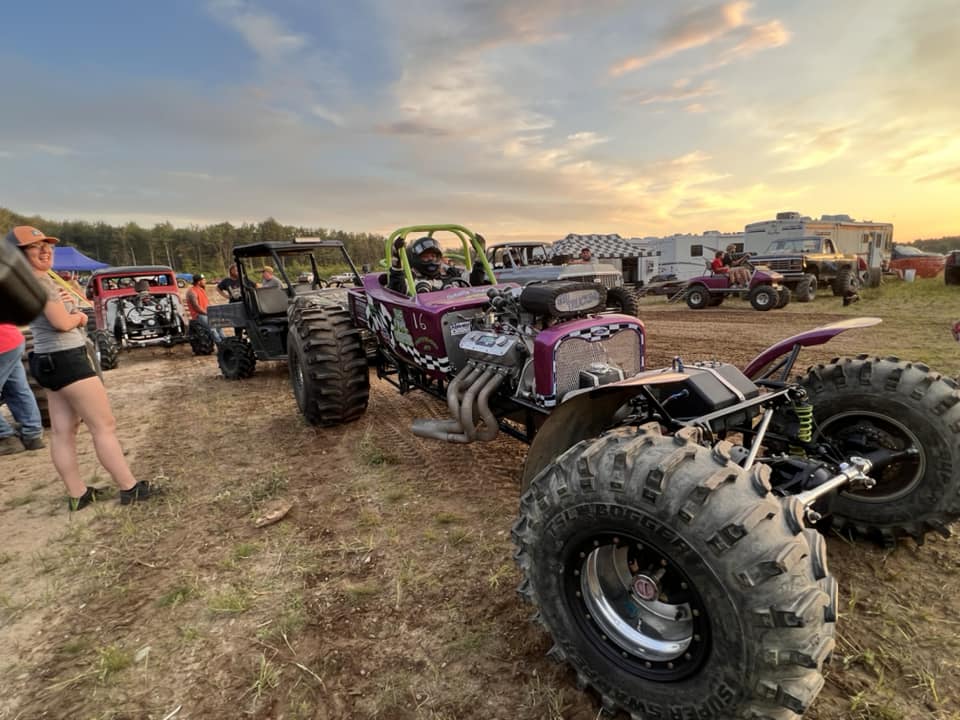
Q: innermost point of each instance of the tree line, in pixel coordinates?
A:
(190, 249)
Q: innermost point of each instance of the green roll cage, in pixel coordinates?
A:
(468, 239)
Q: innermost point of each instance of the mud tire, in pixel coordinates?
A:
(763, 298)
(201, 339)
(107, 348)
(846, 283)
(883, 403)
(730, 550)
(327, 363)
(236, 359)
(623, 300)
(806, 289)
(697, 297)
(783, 298)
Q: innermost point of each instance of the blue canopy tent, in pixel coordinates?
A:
(69, 258)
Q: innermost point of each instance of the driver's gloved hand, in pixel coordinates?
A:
(397, 249)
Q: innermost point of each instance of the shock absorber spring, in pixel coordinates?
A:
(804, 413)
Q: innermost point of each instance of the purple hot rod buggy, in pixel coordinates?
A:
(665, 527)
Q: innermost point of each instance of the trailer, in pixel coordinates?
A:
(684, 256)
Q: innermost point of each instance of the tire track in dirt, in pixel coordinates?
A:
(388, 422)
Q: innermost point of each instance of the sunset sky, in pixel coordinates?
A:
(520, 119)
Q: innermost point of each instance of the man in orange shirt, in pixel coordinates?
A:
(197, 304)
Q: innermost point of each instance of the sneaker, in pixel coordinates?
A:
(11, 445)
(139, 492)
(34, 443)
(92, 495)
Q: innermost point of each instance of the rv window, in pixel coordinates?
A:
(696, 251)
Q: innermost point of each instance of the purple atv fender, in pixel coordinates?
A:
(808, 338)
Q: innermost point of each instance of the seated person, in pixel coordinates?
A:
(739, 273)
(739, 276)
(426, 264)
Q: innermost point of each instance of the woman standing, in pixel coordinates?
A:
(60, 364)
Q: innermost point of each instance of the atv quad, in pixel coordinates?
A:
(304, 323)
(666, 520)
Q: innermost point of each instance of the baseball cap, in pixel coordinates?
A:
(23, 235)
(197, 278)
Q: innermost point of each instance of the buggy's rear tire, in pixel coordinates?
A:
(763, 297)
(201, 339)
(697, 297)
(236, 358)
(39, 393)
(806, 289)
(673, 582)
(865, 404)
(623, 300)
(327, 363)
(107, 348)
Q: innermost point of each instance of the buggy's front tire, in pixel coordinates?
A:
(327, 363)
(673, 582)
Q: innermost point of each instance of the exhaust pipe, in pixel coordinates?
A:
(468, 399)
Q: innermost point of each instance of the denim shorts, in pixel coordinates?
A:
(54, 371)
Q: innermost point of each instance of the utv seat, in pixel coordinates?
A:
(270, 301)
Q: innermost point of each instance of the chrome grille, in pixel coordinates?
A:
(786, 265)
(622, 350)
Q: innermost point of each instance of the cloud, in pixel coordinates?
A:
(325, 114)
(695, 28)
(811, 146)
(55, 150)
(756, 38)
(410, 127)
(681, 91)
(265, 35)
(950, 175)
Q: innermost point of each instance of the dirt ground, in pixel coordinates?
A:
(388, 590)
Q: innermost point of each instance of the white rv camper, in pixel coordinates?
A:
(849, 236)
(687, 256)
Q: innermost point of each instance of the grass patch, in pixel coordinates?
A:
(243, 551)
(361, 591)
(266, 678)
(372, 455)
(111, 660)
(447, 518)
(230, 601)
(177, 595)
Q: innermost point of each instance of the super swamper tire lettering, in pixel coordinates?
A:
(673, 582)
(864, 404)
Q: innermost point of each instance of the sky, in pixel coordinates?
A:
(521, 119)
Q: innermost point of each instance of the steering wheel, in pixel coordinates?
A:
(455, 282)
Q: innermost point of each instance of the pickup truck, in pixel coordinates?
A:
(807, 263)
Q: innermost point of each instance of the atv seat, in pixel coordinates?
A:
(270, 301)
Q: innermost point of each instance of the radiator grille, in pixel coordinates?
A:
(622, 350)
(786, 265)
